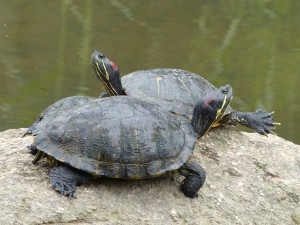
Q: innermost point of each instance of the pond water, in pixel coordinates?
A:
(45, 49)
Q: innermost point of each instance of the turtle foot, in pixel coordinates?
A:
(263, 122)
(65, 179)
(190, 185)
(195, 178)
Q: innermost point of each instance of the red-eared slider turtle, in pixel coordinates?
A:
(173, 89)
(124, 137)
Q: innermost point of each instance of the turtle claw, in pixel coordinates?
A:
(266, 132)
(63, 188)
(273, 133)
(103, 95)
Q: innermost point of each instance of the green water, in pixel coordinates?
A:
(45, 49)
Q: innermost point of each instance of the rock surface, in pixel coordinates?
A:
(251, 179)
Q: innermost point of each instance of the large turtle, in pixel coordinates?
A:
(124, 137)
(173, 89)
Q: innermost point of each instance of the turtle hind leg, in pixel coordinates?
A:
(65, 179)
(194, 178)
(32, 128)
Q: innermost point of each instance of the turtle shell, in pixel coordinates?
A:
(65, 104)
(173, 89)
(120, 137)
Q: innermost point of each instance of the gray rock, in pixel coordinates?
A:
(296, 216)
(251, 179)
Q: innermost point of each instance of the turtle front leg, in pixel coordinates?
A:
(261, 121)
(194, 178)
(65, 179)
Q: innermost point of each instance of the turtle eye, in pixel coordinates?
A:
(224, 91)
(101, 55)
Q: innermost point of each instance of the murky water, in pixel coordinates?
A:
(45, 49)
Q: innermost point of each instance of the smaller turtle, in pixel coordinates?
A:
(124, 137)
(175, 90)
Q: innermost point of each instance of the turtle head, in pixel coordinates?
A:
(210, 109)
(108, 73)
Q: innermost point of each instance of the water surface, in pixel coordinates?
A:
(45, 49)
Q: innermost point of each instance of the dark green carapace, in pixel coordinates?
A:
(62, 105)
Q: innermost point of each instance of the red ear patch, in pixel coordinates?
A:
(208, 101)
(113, 66)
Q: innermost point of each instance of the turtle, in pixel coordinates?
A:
(127, 138)
(175, 90)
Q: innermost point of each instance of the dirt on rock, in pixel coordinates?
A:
(251, 179)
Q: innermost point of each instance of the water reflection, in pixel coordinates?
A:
(253, 45)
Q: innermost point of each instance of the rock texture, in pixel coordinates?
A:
(251, 179)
